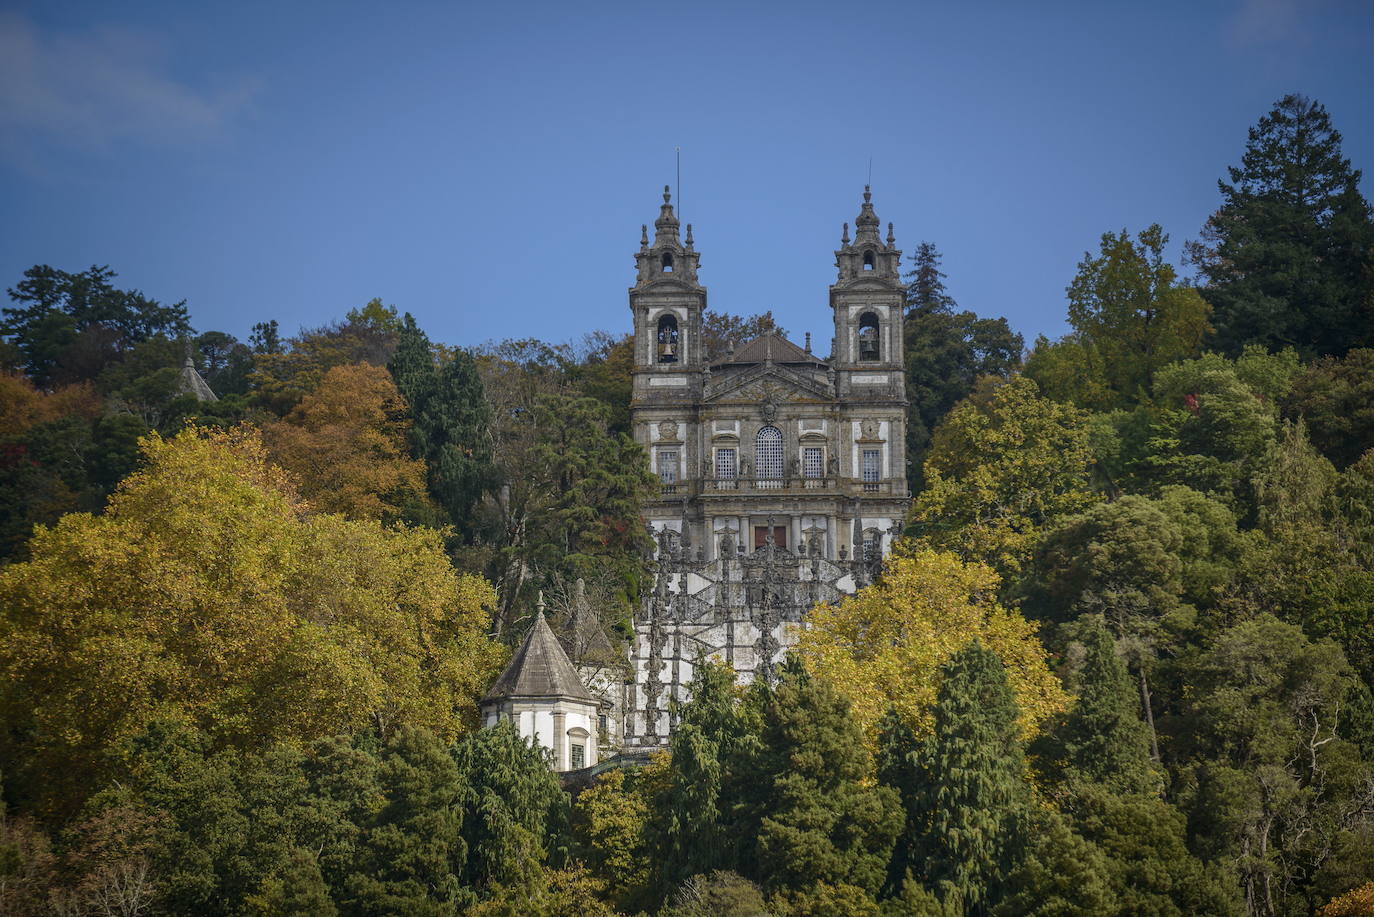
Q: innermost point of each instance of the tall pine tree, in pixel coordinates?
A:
(1289, 258)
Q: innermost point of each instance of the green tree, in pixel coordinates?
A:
(1335, 397)
(609, 826)
(68, 327)
(1269, 786)
(515, 811)
(946, 352)
(970, 815)
(412, 848)
(1004, 464)
(1287, 258)
(1060, 875)
(822, 824)
(925, 282)
(206, 592)
(1103, 739)
(1072, 370)
(1128, 304)
(452, 424)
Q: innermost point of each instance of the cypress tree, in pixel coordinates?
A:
(901, 766)
(410, 847)
(515, 810)
(977, 800)
(824, 825)
(1103, 739)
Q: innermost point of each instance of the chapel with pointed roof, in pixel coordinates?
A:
(782, 473)
(541, 693)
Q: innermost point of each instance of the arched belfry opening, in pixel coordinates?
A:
(667, 262)
(869, 337)
(668, 348)
(868, 260)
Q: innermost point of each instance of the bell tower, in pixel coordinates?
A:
(667, 301)
(868, 298)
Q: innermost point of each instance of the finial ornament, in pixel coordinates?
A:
(667, 194)
(868, 195)
(644, 235)
(845, 238)
(891, 239)
(689, 235)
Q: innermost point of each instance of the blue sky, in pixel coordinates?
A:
(487, 166)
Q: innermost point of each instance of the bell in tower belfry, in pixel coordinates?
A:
(666, 298)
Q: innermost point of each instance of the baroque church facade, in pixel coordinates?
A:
(782, 474)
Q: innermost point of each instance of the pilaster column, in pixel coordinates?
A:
(560, 740)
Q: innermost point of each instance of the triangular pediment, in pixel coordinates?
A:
(778, 383)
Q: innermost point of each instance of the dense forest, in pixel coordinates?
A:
(1121, 663)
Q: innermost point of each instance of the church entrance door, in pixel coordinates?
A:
(761, 536)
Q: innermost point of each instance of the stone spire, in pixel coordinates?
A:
(866, 223)
(539, 668)
(665, 227)
(191, 382)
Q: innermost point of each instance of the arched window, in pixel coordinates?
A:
(868, 336)
(868, 260)
(768, 453)
(667, 339)
(667, 262)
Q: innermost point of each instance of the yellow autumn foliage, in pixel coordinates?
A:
(347, 443)
(884, 645)
(1358, 902)
(206, 593)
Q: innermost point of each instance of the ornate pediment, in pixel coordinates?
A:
(774, 383)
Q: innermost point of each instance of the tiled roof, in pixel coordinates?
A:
(539, 668)
(771, 346)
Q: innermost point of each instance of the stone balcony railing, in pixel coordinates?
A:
(785, 485)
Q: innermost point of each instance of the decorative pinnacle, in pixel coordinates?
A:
(808, 342)
(643, 235)
(689, 235)
(845, 238)
(667, 194)
(868, 195)
(891, 239)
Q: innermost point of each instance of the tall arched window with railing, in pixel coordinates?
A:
(869, 337)
(768, 454)
(667, 339)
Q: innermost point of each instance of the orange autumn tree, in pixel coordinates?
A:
(885, 645)
(207, 594)
(346, 443)
(24, 405)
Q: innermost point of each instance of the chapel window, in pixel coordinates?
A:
(726, 465)
(872, 469)
(768, 453)
(577, 755)
(667, 339)
(868, 336)
(813, 462)
(667, 466)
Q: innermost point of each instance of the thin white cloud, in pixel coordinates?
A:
(101, 87)
(1264, 22)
